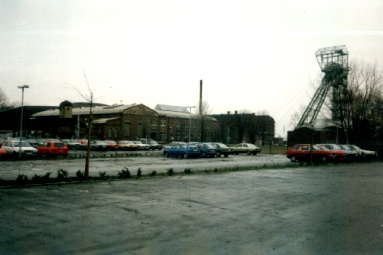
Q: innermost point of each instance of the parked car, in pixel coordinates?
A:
(340, 155)
(303, 152)
(53, 148)
(12, 147)
(363, 154)
(182, 150)
(173, 144)
(222, 149)
(247, 148)
(2, 153)
(98, 145)
(111, 144)
(35, 142)
(142, 146)
(126, 145)
(153, 144)
(351, 154)
(74, 144)
(207, 150)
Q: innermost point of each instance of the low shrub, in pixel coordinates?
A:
(22, 179)
(125, 173)
(62, 175)
(170, 171)
(187, 171)
(139, 173)
(80, 175)
(154, 173)
(103, 175)
(41, 179)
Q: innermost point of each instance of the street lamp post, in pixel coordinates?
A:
(190, 107)
(21, 118)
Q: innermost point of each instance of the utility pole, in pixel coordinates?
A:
(21, 118)
(89, 137)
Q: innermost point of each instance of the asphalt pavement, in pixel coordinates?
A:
(331, 209)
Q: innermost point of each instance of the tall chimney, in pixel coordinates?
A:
(200, 97)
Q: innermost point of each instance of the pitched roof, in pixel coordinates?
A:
(85, 110)
(172, 108)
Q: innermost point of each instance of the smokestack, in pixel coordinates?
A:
(200, 97)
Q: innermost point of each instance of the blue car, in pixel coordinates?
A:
(182, 151)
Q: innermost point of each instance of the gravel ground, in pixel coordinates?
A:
(335, 209)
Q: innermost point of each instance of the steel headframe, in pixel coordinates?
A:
(333, 61)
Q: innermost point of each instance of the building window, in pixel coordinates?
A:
(184, 124)
(115, 132)
(163, 123)
(178, 124)
(109, 132)
(170, 130)
(163, 135)
(127, 128)
(178, 135)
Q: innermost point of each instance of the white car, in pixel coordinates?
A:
(12, 147)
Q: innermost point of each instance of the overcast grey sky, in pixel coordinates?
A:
(251, 55)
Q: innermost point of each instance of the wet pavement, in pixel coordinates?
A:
(333, 209)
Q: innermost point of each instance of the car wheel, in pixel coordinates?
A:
(203, 155)
(293, 159)
(186, 155)
(324, 159)
(226, 155)
(248, 152)
(167, 155)
(218, 155)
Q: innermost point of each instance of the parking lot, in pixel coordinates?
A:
(332, 209)
(147, 162)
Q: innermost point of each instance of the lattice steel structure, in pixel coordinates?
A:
(333, 61)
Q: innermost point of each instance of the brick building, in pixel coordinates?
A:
(245, 127)
(122, 122)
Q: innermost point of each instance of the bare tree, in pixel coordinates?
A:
(4, 104)
(88, 98)
(364, 101)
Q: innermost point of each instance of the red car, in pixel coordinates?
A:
(53, 148)
(2, 152)
(303, 152)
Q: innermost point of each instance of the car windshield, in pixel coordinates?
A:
(345, 147)
(59, 145)
(23, 144)
(319, 148)
(208, 146)
(355, 147)
(220, 145)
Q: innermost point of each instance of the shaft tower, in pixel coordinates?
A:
(333, 61)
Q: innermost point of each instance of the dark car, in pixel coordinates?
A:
(222, 149)
(207, 150)
(182, 150)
